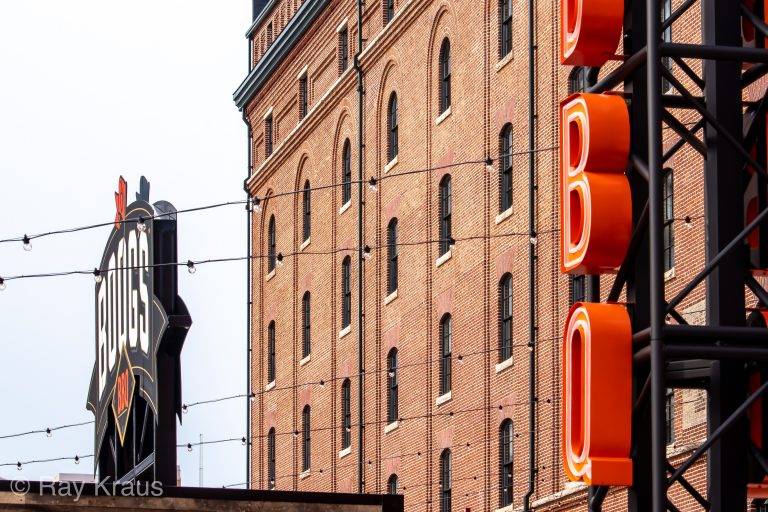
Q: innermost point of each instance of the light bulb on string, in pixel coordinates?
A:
(2, 284)
(184, 408)
(97, 275)
(372, 184)
(460, 359)
(189, 447)
(191, 267)
(688, 222)
(366, 252)
(77, 459)
(243, 441)
(48, 432)
(280, 259)
(27, 243)
(141, 225)
(18, 466)
(322, 384)
(296, 433)
(489, 165)
(256, 204)
(253, 397)
(534, 239)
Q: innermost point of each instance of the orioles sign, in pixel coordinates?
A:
(595, 229)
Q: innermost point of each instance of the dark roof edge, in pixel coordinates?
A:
(297, 27)
(265, 10)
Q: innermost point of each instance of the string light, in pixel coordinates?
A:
(18, 466)
(372, 184)
(97, 275)
(27, 243)
(255, 204)
(191, 267)
(141, 226)
(77, 459)
(243, 441)
(489, 165)
(189, 447)
(280, 259)
(184, 409)
(48, 432)
(688, 222)
(534, 240)
(367, 252)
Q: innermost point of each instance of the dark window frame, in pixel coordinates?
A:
(392, 256)
(505, 28)
(393, 128)
(306, 438)
(306, 325)
(446, 213)
(506, 463)
(268, 136)
(388, 8)
(271, 459)
(346, 172)
(306, 202)
(666, 36)
(346, 292)
(303, 96)
(392, 484)
(669, 416)
(343, 50)
(446, 470)
(271, 352)
(505, 168)
(446, 353)
(668, 194)
(271, 244)
(392, 386)
(505, 317)
(578, 288)
(346, 414)
(445, 75)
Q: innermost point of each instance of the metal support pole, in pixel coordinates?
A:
(360, 245)
(248, 306)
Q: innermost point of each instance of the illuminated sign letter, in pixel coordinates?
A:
(597, 386)
(590, 31)
(595, 198)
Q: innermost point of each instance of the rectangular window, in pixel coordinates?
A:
(271, 459)
(670, 416)
(392, 257)
(306, 451)
(306, 340)
(346, 291)
(389, 10)
(666, 61)
(446, 348)
(578, 289)
(392, 385)
(271, 353)
(269, 35)
(505, 28)
(669, 217)
(343, 50)
(303, 100)
(346, 415)
(445, 215)
(268, 136)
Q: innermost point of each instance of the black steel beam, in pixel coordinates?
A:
(714, 52)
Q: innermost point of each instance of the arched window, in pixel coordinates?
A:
(445, 214)
(271, 459)
(392, 256)
(505, 28)
(346, 173)
(505, 168)
(505, 317)
(346, 292)
(445, 480)
(392, 128)
(446, 348)
(271, 352)
(392, 415)
(346, 414)
(506, 443)
(306, 330)
(392, 484)
(271, 245)
(445, 75)
(307, 211)
(306, 440)
(388, 7)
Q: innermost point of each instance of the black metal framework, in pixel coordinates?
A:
(271, 459)
(505, 168)
(346, 292)
(346, 173)
(343, 50)
(346, 414)
(720, 355)
(271, 352)
(392, 386)
(446, 349)
(306, 325)
(505, 317)
(392, 256)
(445, 75)
(446, 470)
(271, 244)
(303, 97)
(392, 484)
(388, 10)
(306, 213)
(506, 454)
(268, 136)
(306, 438)
(445, 214)
(393, 129)
(578, 289)
(505, 28)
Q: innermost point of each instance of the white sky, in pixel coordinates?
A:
(90, 90)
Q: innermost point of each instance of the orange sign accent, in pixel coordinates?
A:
(121, 202)
(590, 31)
(595, 198)
(597, 386)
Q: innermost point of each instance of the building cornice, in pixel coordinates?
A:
(283, 44)
(266, 10)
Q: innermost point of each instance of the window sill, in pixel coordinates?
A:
(345, 331)
(442, 117)
(391, 426)
(504, 61)
(305, 474)
(503, 216)
(669, 274)
(269, 386)
(444, 398)
(507, 363)
(305, 360)
(345, 207)
(346, 451)
(508, 508)
(442, 259)
(305, 243)
(390, 165)
(270, 275)
(389, 298)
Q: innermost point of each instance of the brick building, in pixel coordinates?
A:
(446, 325)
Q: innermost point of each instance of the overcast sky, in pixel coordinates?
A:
(91, 90)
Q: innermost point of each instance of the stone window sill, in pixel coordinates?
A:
(305, 474)
(270, 275)
(504, 215)
(392, 426)
(444, 398)
(507, 363)
(442, 117)
(389, 298)
(346, 451)
(305, 243)
(442, 259)
(390, 165)
(345, 207)
(269, 386)
(345, 331)
(669, 274)
(305, 360)
(506, 60)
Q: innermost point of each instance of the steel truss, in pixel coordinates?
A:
(727, 357)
